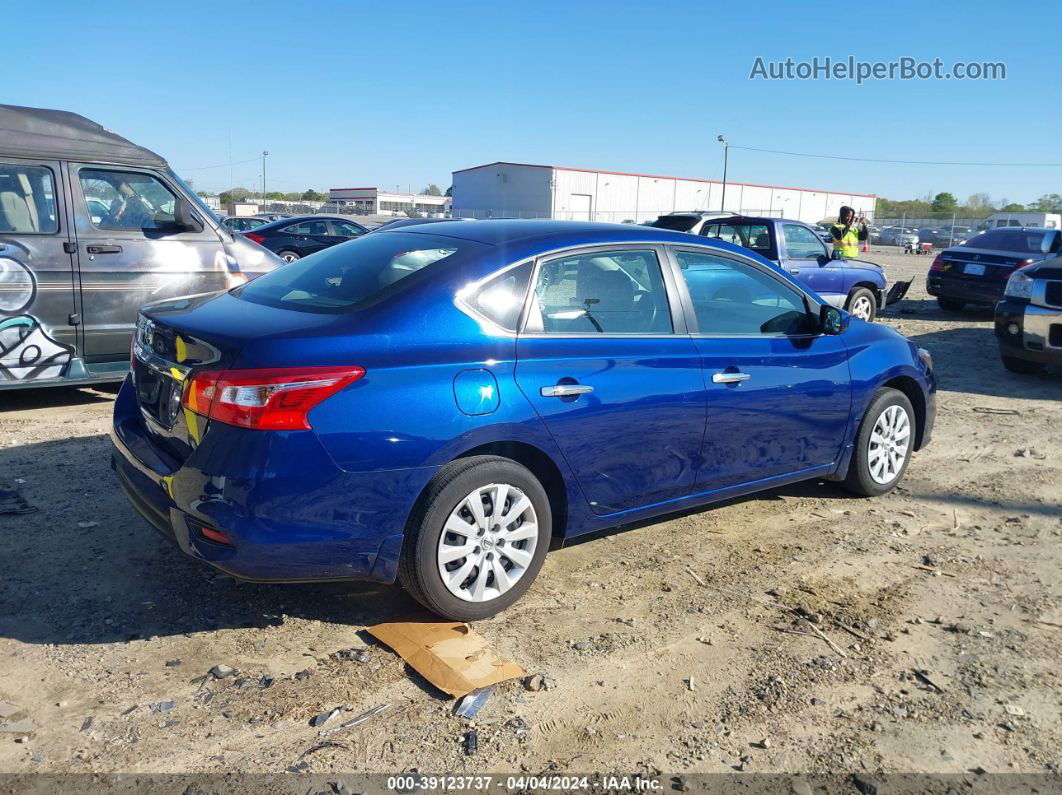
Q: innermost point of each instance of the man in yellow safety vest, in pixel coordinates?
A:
(845, 237)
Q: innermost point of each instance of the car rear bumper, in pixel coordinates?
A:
(290, 513)
(1038, 336)
(969, 289)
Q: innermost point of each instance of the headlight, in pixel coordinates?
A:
(926, 357)
(1019, 286)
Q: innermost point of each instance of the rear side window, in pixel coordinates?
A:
(751, 236)
(676, 223)
(608, 292)
(343, 277)
(27, 200)
(307, 228)
(502, 298)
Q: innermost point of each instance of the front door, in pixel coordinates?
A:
(804, 256)
(130, 252)
(37, 298)
(620, 391)
(779, 392)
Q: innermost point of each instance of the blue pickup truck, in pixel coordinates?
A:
(855, 285)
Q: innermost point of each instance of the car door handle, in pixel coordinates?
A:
(103, 249)
(565, 390)
(794, 270)
(730, 378)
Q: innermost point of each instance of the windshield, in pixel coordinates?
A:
(199, 203)
(1021, 240)
(676, 223)
(344, 276)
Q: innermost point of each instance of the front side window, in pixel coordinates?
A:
(613, 292)
(731, 298)
(126, 200)
(27, 200)
(801, 242)
(347, 229)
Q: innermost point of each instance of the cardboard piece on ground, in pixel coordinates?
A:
(452, 656)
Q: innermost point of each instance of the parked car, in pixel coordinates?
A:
(243, 223)
(899, 236)
(92, 226)
(439, 402)
(946, 236)
(294, 238)
(1029, 317)
(977, 271)
(686, 221)
(856, 285)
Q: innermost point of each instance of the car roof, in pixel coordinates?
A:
(62, 135)
(530, 237)
(297, 219)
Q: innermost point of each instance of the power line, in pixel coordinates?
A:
(905, 162)
(221, 165)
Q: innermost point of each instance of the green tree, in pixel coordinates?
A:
(944, 203)
(1012, 207)
(979, 204)
(1048, 203)
(450, 191)
(310, 195)
(431, 190)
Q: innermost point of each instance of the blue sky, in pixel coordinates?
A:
(400, 94)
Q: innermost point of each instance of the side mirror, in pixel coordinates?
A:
(184, 218)
(823, 260)
(832, 320)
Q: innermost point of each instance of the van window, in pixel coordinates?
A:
(126, 199)
(27, 200)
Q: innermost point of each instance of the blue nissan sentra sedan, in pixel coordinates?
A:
(439, 403)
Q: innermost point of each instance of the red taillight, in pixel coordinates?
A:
(268, 399)
(938, 263)
(257, 238)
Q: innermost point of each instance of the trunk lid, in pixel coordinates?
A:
(175, 339)
(982, 263)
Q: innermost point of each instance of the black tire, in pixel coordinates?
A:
(859, 479)
(289, 256)
(950, 304)
(863, 292)
(1022, 366)
(418, 570)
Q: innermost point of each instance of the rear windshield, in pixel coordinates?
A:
(356, 272)
(676, 223)
(1021, 240)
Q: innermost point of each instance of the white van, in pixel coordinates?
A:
(1045, 220)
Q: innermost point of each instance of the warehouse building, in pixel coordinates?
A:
(373, 201)
(535, 191)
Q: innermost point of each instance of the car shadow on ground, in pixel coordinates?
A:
(966, 359)
(55, 396)
(927, 309)
(86, 569)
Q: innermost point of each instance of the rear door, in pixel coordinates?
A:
(779, 392)
(37, 278)
(309, 237)
(804, 255)
(616, 381)
(129, 252)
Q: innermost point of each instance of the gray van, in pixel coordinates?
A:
(92, 227)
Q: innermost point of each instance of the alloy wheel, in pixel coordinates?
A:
(862, 307)
(890, 444)
(487, 543)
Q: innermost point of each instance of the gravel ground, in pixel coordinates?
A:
(106, 631)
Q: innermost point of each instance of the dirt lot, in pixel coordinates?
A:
(647, 670)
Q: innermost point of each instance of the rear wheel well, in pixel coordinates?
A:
(542, 467)
(913, 391)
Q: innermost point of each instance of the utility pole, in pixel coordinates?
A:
(265, 154)
(726, 153)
